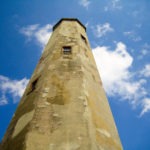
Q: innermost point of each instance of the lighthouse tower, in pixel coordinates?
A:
(64, 106)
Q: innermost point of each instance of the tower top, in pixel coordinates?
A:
(68, 19)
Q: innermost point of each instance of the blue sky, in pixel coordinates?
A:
(118, 32)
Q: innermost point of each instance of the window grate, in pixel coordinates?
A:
(66, 50)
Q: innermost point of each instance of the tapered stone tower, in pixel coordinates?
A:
(64, 106)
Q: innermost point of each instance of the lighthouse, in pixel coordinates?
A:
(64, 106)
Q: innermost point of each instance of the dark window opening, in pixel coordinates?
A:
(83, 39)
(66, 50)
(33, 86)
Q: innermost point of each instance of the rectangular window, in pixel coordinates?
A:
(66, 50)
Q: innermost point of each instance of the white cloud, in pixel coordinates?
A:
(113, 5)
(87, 24)
(84, 3)
(40, 34)
(15, 88)
(146, 46)
(137, 39)
(29, 30)
(139, 25)
(114, 67)
(102, 30)
(146, 106)
(146, 71)
(133, 36)
(3, 100)
(143, 52)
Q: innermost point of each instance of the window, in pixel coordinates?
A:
(33, 86)
(66, 50)
(83, 39)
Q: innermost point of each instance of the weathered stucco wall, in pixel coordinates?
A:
(64, 106)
